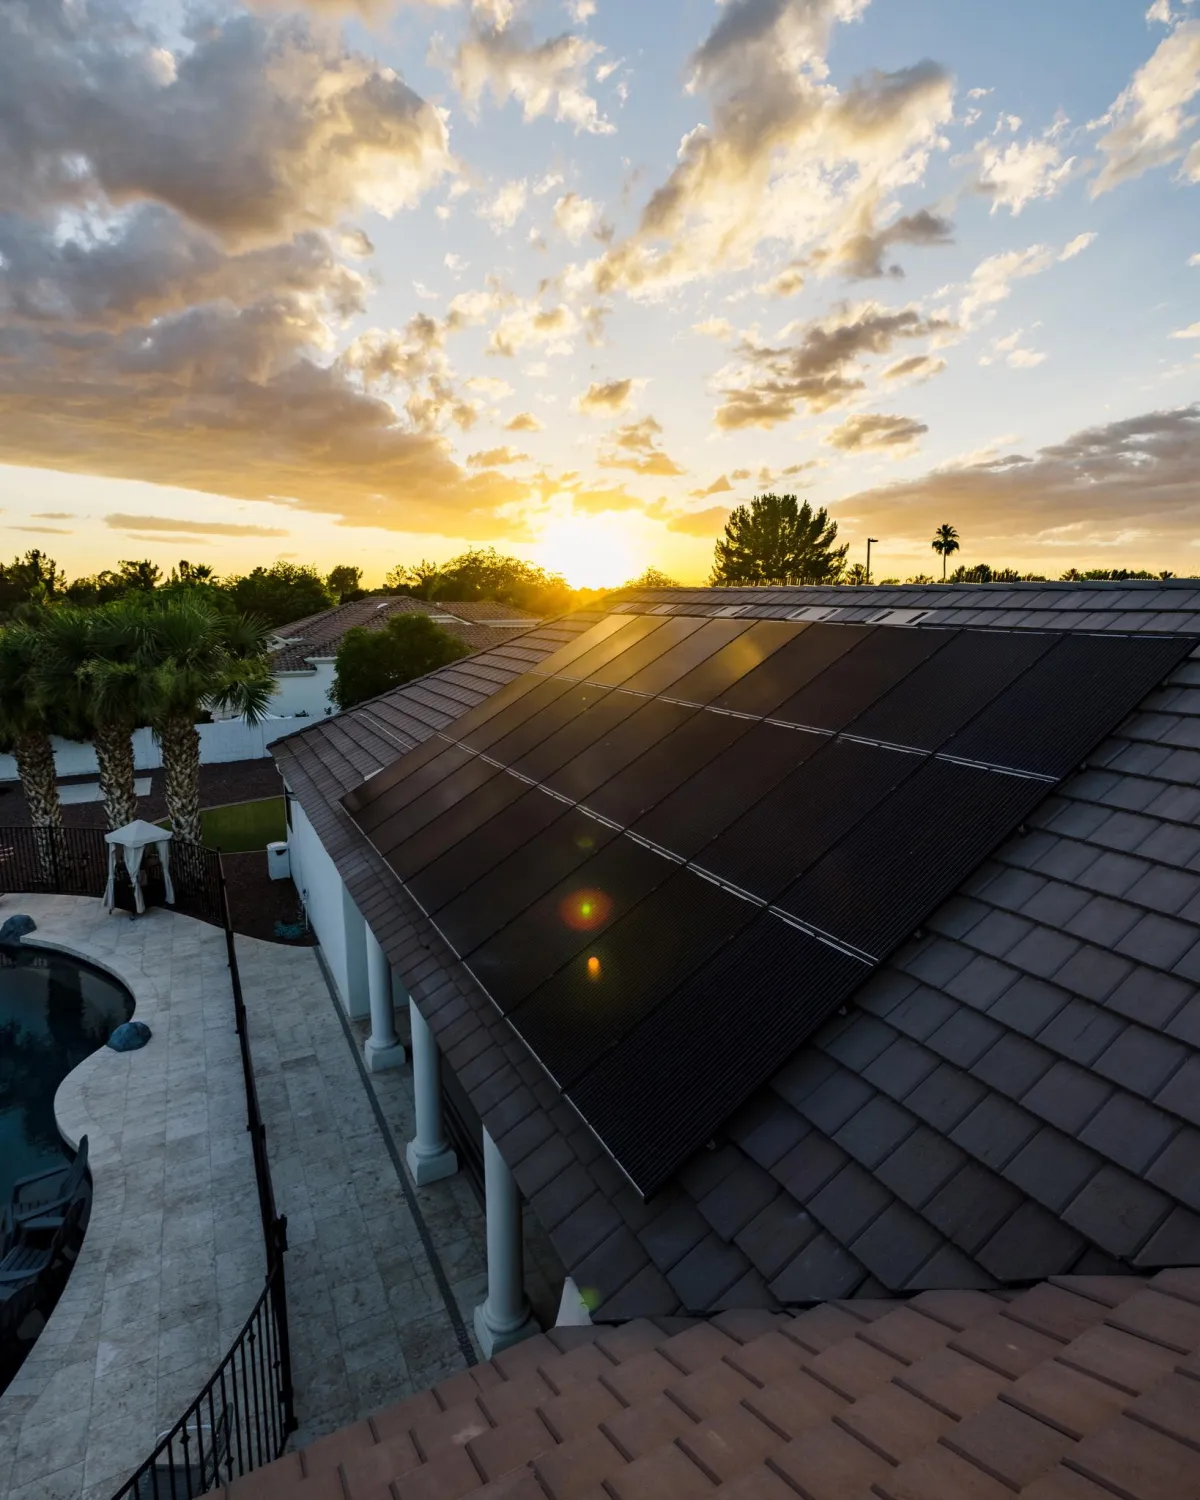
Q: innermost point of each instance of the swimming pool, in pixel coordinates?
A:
(54, 1012)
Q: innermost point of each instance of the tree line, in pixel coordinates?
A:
(777, 539)
(288, 591)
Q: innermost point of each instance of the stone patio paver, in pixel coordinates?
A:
(172, 1261)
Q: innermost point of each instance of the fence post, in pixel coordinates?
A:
(279, 1307)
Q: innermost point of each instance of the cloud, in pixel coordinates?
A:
(605, 397)
(504, 209)
(635, 447)
(858, 250)
(1146, 124)
(491, 458)
(524, 421)
(1190, 332)
(871, 432)
(120, 522)
(786, 155)
(53, 515)
(1018, 173)
(43, 530)
(992, 279)
(719, 486)
(784, 283)
(531, 323)
(1017, 356)
(540, 76)
(722, 328)
(822, 370)
(916, 368)
(1080, 492)
(574, 216)
(257, 128)
(701, 523)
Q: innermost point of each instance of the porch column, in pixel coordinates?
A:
(429, 1155)
(383, 1048)
(505, 1317)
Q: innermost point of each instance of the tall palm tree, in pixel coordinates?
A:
(200, 657)
(89, 658)
(26, 724)
(945, 541)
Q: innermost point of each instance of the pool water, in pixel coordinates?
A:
(54, 1012)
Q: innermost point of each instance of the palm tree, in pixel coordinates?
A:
(89, 659)
(26, 724)
(199, 658)
(945, 541)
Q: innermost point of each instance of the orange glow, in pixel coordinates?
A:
(593, 967)
(584, 910)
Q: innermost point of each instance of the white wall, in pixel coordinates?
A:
(224, 740)
(304, 693)
(334, 917)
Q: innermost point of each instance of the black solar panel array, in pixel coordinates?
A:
(673, 849)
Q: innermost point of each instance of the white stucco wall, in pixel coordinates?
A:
(334, 917)
(224, 740)
(304, 692)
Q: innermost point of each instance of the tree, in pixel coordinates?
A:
(280, 594)
(198, 657)
(419, 582)
(652, 578)
(345, 583)
(141, 577)
(775, 539)
(189, 575)
(855, 576)
(945, 541)
(90, 660)
(369, 662)
(26, 723)
(33, 577)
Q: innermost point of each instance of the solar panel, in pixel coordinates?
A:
(669, 862)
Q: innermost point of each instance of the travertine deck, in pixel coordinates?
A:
(172, 1260)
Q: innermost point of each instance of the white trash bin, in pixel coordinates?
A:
(279, 862)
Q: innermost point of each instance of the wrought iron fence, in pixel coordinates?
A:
(238, 1422)
(74, 862)
(243, 1416)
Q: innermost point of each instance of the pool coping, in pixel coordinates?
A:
(133, 1336)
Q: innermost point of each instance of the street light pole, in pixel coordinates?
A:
(870, 539)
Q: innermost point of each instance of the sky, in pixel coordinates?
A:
(376, 282)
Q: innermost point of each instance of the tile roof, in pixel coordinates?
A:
(481, 623)
(1078, 1389)
(1014, 1095)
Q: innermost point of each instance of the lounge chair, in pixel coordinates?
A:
(41, 1202)
(23, 1259)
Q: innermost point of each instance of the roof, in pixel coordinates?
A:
(480, 623)
(1015, 1094)
(1079, 1389)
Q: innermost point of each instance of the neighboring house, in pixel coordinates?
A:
(1012, 1094)
(303, 653)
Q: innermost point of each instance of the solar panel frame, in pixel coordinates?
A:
(706, 682)
(880, 661)
(785, 671)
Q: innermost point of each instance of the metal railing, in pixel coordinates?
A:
(245, 1413)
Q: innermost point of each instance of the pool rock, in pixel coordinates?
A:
(15, 929)
(129, 1036)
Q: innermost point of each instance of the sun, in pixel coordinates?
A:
(591, 551)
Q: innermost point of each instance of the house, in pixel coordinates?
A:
(963, 1063)
(303, 653)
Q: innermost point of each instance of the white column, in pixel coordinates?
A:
(354, 955)
(505, 1317)
(383, 1048)
(429, 1155)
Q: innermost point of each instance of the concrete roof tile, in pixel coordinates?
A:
(1102, 920)
(1128, 1132)
(1181, 1093)
(901, 1067)
(964, 1037)
(733, 1202)
(836, 1100)
(895, 1245)
(861, 1040)
(1013, 1065)
(971, 1207)
(776, 1235)
(707, 1270)
(1043, 952)
(1150, 997)
(1111, 872)
(1185, 1023)
(1177, 1168)
(1140, 1060)
(985, 979)
(1052, 1168)
(1081, 1031)
(767, 1128)
(1029, 1004)
(1116, 1211)
(809, 1166)
(1158, 941)
(922, 1163)
(1067, 1096)
(875, 1130)
(994, 1131)
(945, 1097)
(1176, 1241)
(848, 1202)
(822, 1269)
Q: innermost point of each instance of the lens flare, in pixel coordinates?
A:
(593, 967)
(585, 910)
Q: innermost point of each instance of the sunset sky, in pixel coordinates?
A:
(374, 283)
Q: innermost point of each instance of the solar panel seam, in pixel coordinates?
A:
(861, 878)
